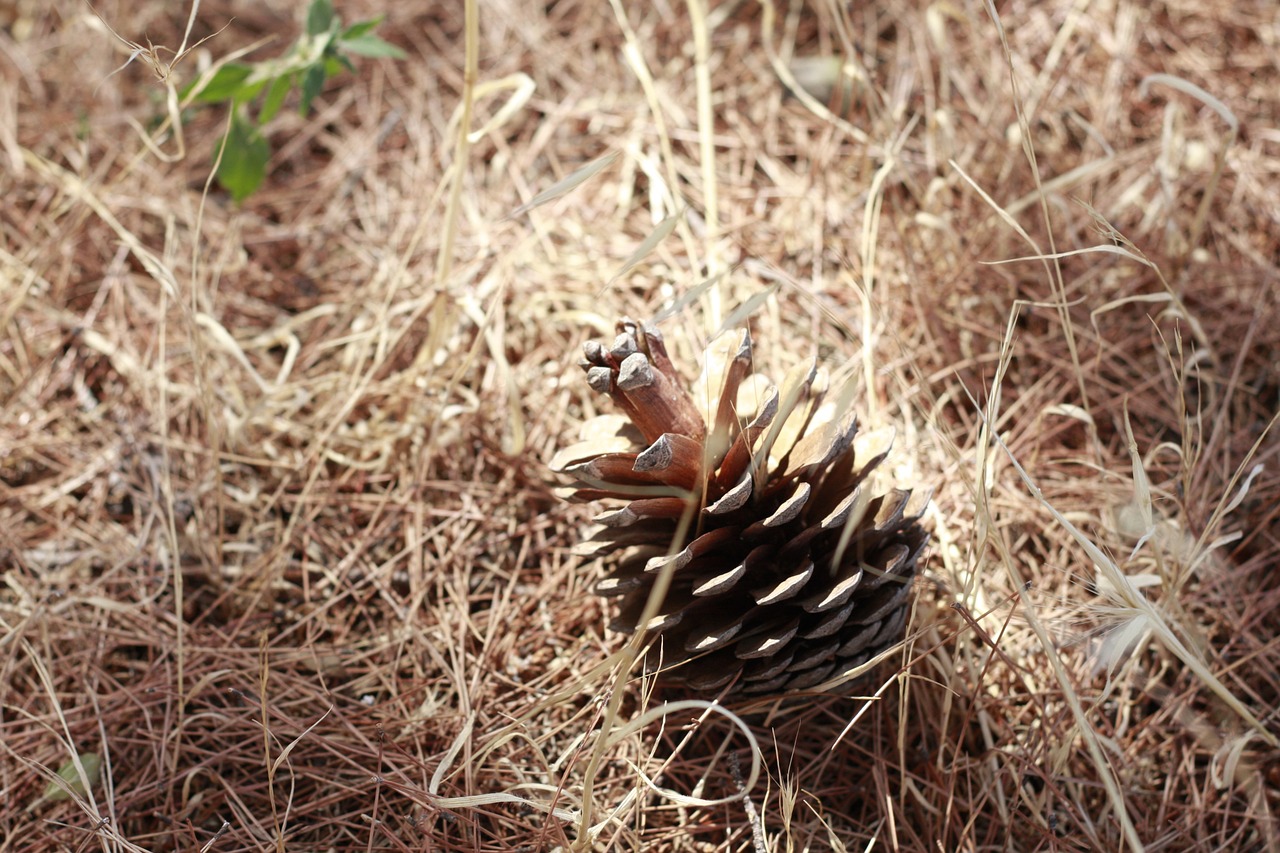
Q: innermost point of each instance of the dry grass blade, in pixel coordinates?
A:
(1233, 128)
(660, 232)
(567, 184)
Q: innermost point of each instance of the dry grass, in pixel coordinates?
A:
(279, 544)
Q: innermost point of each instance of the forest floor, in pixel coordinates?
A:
(283, 563)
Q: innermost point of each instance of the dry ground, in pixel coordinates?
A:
(277, 536)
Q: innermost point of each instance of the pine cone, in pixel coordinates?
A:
(789, 573)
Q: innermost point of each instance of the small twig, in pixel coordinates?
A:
(757, 827)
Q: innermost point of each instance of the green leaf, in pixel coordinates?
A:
(312, 83)
(319, 17)
(249, 91)
(360, 28)
(335, 65)
(372, 46)
(275, 97)
(244, 158)
(224, 85)
(313, 48)
(92, 764)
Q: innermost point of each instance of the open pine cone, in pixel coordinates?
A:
(788, 573)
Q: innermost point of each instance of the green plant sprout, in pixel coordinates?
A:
(321, 52)
(71, 782)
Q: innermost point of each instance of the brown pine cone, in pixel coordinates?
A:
(789, 573)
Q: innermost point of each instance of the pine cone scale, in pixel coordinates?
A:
(788, 587)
